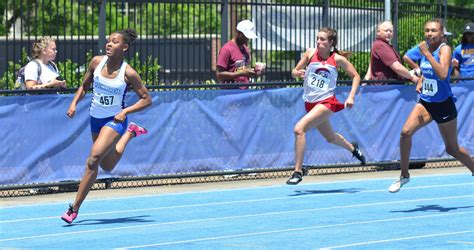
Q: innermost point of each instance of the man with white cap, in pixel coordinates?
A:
(234, 57)
(463, 55)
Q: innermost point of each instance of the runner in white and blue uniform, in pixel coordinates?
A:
(108, 99)
(111, 76)
(436, 102)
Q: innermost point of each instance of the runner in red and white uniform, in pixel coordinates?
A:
(318, 67)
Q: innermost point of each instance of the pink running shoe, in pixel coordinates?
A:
(70, 215)
(137, 129)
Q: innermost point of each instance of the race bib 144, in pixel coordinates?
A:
(430, 87)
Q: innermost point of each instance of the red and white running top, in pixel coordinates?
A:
(320, 78)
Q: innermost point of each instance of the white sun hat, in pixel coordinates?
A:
(247, 28)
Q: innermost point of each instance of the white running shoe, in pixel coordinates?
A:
(395, 187)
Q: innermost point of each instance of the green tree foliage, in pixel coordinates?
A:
(148, 69)
(459, 3)
(464, 3)
(360, 60)
(182, 19)
(49, 17)
(64, 17)
(9, 11)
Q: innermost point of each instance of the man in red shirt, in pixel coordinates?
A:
(385, 62)
(233, 62)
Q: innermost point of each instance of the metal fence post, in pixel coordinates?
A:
(395, 25)
(388, 10)
(225, 20)
(445, 13)
(102, 26)
(326, 13)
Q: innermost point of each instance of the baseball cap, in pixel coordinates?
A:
(247, 28)
(446, 33)
(469, 28)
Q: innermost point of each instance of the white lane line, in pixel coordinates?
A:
(235, 217)
(234, 189)
(461, 242)
(238, 201)
(231, 202)
(292, 230)
(399, 239)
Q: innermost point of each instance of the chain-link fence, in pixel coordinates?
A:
(206, 177)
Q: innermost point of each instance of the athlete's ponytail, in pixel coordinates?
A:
(332, 36)
(345, 54)
(129, 35)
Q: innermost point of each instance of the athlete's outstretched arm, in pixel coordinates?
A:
(132, 78)
(347, 66)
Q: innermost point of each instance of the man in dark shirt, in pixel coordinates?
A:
(385, 62)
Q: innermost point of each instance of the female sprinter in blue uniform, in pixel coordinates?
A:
(320, 77)
(436, 102)
(111, 76)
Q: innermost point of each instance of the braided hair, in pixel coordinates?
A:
(40, 45)
(129, 35)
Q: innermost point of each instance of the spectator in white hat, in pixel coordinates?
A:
(463, 55)
(233, 62)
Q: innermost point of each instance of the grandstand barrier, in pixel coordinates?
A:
(210, 131)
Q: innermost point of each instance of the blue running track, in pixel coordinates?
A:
(430, 212)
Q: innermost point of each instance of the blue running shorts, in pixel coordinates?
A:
(98, 123)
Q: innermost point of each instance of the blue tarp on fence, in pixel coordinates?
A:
(207, 130)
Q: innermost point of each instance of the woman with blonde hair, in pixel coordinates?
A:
(41, 72)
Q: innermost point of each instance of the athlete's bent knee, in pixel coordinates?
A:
(453, 151)
(331, 139)
(406, 133)
(298, 130)
(93, 162)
